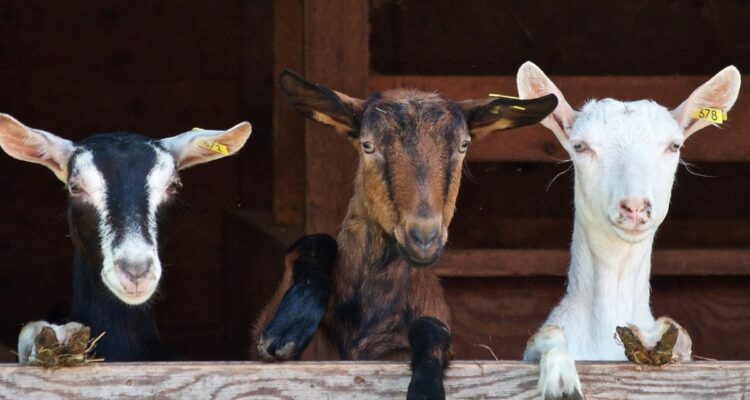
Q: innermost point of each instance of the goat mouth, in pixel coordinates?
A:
(416, 260)
(131, 298)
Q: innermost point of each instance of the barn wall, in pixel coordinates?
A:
(151, 67)
(163, 67)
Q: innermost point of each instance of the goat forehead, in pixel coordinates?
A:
(122, 167)
(125, 165)
(412, 118)
(625, 124)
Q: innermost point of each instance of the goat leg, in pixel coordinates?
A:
(303, 305)
(558, 378)
(430, 342)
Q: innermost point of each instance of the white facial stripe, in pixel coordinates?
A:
(157, 183)
(133, 247)
(93, 182)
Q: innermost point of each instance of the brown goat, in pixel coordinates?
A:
(377, 301)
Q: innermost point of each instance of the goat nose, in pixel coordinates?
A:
(424, 236)
(634, 208)
(136, 269)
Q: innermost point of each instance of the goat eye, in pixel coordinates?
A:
(580, 147)
(368, 147)
(75, 189)
(174, 187)
(675, 147)
(463, 146)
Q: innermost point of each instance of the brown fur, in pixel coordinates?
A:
(411, 146)
(267, 313)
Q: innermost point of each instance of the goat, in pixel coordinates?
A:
(118, 185)
(377, 301)
(625, 156)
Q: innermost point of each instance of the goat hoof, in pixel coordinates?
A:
(426, 388)
(302, 307)
(575, 395)
(295, 322)
(273, 349)
(71, 338)
(293, 326)
(559, 378)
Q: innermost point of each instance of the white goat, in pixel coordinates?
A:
(625, 155)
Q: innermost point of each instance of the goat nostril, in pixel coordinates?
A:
(424, 237)
(135, 270)
(634, 206)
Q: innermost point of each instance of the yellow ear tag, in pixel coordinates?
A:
(495, 111)
(216, 147)
(712, 115)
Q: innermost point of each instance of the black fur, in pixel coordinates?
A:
(304, 304)
(130, 332)
(308, 98)
(430, 342)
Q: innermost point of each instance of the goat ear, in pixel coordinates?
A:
(491, 114)
(34, 145)
(719, 92)
(199, 145)
(532, 82)
(322, 104)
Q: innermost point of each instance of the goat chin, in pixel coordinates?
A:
(134, 300)
(633, 237)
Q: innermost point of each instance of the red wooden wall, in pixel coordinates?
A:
(162, 67)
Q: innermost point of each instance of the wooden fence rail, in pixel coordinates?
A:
(363, 380)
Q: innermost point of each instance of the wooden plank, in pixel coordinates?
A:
(536, 143)
(336, 55)
(466, 263)
(288, 125)
(365, 380)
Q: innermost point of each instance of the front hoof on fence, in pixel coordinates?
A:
(303, 305)
(49, 345)
(295, 322)
(273, 349)
(426, 388)
(677, 349)
(558, 377)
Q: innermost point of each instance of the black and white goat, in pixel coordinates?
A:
(117, 185)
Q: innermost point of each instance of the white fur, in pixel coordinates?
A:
(134, 247)
(27, 337)
(35, 145)
(187, 150)
(627, 156)
(173, 153)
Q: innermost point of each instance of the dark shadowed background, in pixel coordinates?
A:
(163, 67)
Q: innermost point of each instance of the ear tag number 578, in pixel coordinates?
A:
(712, 115)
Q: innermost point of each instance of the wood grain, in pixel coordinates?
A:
(336, 56)
(288, 125)
(346, 380)
(536, 143)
